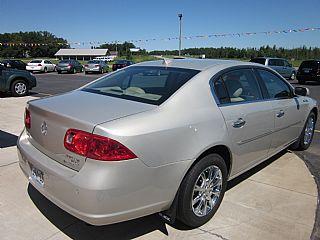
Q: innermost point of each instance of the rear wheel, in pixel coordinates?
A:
(19, 88)
(74, 70)
(306, 135)
(202, 190)
(45, 70)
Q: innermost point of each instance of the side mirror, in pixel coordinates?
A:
(302, 91)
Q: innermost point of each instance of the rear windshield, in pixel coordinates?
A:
(121, 62)
(36, 61)
(258, 60)
(94, 62)
(310, 64)
(65, 61)
(151, 85)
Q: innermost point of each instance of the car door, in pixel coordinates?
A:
(2, 83)
(287, 69)
(248, 117)
(288, 109)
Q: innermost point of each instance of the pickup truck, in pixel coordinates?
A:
(16, 82)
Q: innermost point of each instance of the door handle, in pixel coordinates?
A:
(239, 123)
(280, 114)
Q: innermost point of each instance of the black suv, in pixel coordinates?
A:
(17, 82)
(70, 66)
(12, 63)
(309, 71)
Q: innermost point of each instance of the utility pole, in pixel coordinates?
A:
(180, 30)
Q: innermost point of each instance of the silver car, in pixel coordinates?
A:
(98, 66)
(280, 65)
(160, 136)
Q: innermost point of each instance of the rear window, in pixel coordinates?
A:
(36, 61)
(65, 61)
(151, 85)
(258, 60)
(94, 62)
(121, 62)
(310, 64)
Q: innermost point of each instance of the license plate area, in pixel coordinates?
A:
(37, 176)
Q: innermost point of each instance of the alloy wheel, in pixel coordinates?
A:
(20, 88)
(206, 191)
(308, 132)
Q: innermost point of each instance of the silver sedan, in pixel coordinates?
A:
(162, 136)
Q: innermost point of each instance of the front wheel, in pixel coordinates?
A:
(19, 88)
(306, 135)
(202, 191)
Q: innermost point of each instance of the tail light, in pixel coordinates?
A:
(69, 65)
(86, 65)
(39, 65)
(97, 65)
(96, 147)
(27, 119)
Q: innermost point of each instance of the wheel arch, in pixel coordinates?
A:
(315, 111)
(15, 78)
(221, 150)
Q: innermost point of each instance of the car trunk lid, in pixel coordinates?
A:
(52, 117)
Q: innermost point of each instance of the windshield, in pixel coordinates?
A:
(151, 85)
(258, 60)
(310, 64)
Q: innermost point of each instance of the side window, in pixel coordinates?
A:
(221, 91)
(276, 87)
(272, 62)
(241, 86)
(280, 63)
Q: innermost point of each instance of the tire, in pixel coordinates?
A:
(45, 70)
(59, 72)
(189, 211)
(306, 136)
(54, 69)
(101, 71)
(19, 88)
(74, 71)
(301, 81)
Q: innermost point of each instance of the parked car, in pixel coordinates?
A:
(70, 66)
(13, 63)
(121, 64)
(161, 135)
(309, 71)
(17, 82)
(282, 66)
(96, 66)
(41, 65)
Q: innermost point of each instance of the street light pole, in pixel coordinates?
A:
(180, 30)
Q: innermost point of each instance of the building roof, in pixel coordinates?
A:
(193, 63)
(82, 52)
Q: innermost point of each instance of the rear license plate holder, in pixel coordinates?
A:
(37, 176)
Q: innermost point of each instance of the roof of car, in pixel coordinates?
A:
(194, 63)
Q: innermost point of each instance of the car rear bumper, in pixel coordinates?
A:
(34, 68)
(308, 77)
(96, 69)
(103, 192)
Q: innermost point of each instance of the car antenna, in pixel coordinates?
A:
(166, 61)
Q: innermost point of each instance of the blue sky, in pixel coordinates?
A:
(93, 20)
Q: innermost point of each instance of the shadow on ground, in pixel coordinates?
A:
(7, 139)
(77, 229)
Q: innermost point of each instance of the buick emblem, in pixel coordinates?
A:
(44, 128)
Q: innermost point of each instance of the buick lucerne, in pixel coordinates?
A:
(161, 136)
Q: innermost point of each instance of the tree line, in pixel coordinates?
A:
(299, 53)
(30, 44)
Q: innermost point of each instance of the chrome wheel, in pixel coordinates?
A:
(206, 191)
(293, 76)
(20, 88)
(308, 132)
